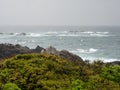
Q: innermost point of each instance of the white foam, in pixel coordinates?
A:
(98, 35)
(92, 50)
(100, 58)
(61, 33)
(14, 34)
(33, 35)
(66, 35)
(52, 32)
(83, 51)
(94, 34)
(87, 32)
(91, 59)
(102, 32)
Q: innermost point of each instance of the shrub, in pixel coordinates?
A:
(10, 86)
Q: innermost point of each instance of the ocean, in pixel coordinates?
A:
(89, 42)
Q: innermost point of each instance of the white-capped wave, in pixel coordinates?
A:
(87, 32)
(83, 51)
(14, 34)
(103, 32)
(60, 33)
(5, 35)
(87, 56)
(98, 35)
(34, 35)
(95, 34)
(92, 50)
(52, 32)
(65, 35)
(100, 58)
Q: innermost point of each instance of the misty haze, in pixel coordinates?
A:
(59, 44)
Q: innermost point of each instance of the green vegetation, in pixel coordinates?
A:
(49, 72)
(10, 86)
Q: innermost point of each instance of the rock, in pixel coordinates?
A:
(22, 34)
(11, 33)
(8, 50)
(50, 50)
(64, 54)
(38, 49)
(69, 56)
(115, 63)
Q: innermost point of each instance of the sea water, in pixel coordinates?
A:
(89, 42)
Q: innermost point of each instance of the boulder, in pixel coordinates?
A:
(38, 49)
(64, 54)
(51, 50)
(70, 56)
(115, 63)
(8, 50)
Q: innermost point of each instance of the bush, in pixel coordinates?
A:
(50, 72)
(10, 86)
(33, 71)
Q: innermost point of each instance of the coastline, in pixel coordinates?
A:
(8, 50)
(50, 69)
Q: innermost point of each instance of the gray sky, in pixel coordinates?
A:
(59, 12)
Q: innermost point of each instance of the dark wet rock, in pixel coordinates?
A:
(64, 54)
(1, 33)
(22, 34)
(11, 33)
(51, 50)
(38, 49)
(114, 63)
(69, 56)
(8, 50)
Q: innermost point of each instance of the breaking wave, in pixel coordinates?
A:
(86, 54)
(83, 51)
(61, 34)
(100, 58)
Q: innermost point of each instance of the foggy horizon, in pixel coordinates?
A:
(59, 13)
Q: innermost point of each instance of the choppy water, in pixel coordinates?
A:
(88, 42)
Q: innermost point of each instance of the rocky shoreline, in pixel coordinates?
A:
(9, 50)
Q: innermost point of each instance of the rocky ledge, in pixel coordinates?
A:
(63, 53)
(8, 50)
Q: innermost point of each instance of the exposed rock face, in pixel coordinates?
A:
(69, 56)
(51, 50)
(38, 49)
(7, 50)
(63, 54)
(115, 63)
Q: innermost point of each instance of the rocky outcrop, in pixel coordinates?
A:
(50, 50)
(70, 56)
(38, 49)
(64, 54)
(7, 50)
(114, 63)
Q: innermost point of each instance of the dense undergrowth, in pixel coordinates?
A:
(49, 72)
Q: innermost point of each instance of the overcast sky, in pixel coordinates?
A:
(59, 12)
